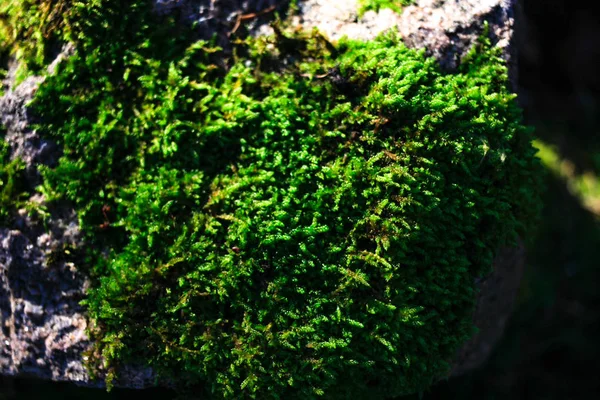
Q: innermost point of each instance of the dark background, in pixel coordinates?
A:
(551, 348)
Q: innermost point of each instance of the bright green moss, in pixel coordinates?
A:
(284, 229)
(376, 5)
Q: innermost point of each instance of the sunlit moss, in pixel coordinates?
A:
(297, 220)
(377, 5)
(33, 31)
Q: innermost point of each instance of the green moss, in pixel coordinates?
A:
(376, 5)
(33, 31)
(11, 183)
(306, 222)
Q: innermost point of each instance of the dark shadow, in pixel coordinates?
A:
(550, 349)
(559, 83)
(33, 389)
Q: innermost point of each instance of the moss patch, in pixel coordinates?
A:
(33, 31)
(377, 5)
(11, 183)
(306, 222)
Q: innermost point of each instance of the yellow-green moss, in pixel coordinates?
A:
(33, 31)
(11, 183)
(377, 5)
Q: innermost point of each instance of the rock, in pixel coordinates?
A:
(445, 28)
(42, 325)
(25, 142)
(221, 17)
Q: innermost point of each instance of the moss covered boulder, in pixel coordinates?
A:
(294, 219)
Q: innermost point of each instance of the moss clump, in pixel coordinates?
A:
(306, 222)
(11, 183)
(33, 31)
(376, 5)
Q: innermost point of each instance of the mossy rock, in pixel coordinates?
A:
(307, 222)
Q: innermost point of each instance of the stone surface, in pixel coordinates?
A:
(25, 142)
(222, 17)
(42, 325)
(445, 28)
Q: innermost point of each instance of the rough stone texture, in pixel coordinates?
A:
(445, 28)
(15, 117)
(25, 142)
(336, 19)
(42, 326)
(222, 17)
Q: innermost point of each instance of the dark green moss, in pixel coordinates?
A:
(306, 222)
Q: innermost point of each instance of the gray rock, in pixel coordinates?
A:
(16, 118)
(447, 29)
(221, 17)
(25, 142)
(42, 325)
